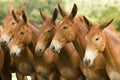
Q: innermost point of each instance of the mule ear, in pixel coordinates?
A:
(44, 17)
(104, 25)
(10, 9)
(55, 14)
(15, 16)
(87, 22)
(20, 10)
(73, 12)
(62, 12)
(24, 17)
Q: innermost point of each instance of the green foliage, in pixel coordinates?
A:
(32, 9)
(48, 7)
(3, 10)
(105, 15)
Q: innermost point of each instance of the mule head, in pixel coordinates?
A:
(65, 31)
(22, 36)
(96, 42)
(9, 24)
(46, 32)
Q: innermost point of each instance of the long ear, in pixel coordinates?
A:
(55, 14)
(20, 10)
(73, 12)
(62, 12)
(24, 17)
(43, 14)
(87, 22)
(10, 9)
(104, 25)
(15, 16)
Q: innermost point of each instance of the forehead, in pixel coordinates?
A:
(20, 26)
(47, 22)
(94, 31)
(65, 21)
(8, 19)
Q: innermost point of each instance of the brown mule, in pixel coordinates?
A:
(26, 36)
(65, 62)
(101, 38)
(9, 25)
(71, 29)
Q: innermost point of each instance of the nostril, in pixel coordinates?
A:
(87, 62)
(40, 50)
(53, 48)
(5, 42)
(14, 54)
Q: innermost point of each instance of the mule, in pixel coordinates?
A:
(101, 38)
(26, 36)
(72, 29)
(9, 24)
(67, 61)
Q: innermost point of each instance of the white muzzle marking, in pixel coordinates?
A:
(4, 38)
(40, 48)
(56, 45)
(90, 55)
(15, 49)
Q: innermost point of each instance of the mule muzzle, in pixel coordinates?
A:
(13, 54)
(3, 42)
(87, 62)
(54, 49)
(39, 52)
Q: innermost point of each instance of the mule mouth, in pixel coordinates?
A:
(4, 39)
(14, 55)
(54, 49)
(90, 55)
(3, 43)
(55, 46)
(87, 62)
(56, 52)
(15, 51)
(39, 52)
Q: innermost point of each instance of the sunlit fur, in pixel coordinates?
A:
(47, 28)
(19, 50)
(21, 37)
(67, 61)
(25, 39)
(74, 30)
(9, 24)
(104, 39)
(95, 40)
(64, 34)
(95, 44)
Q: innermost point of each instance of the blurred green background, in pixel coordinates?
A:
(95, 10)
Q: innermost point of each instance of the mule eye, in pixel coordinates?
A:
(49, 30)
(22, 33)
(13, 23)
(65, 27)
(96, 39)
